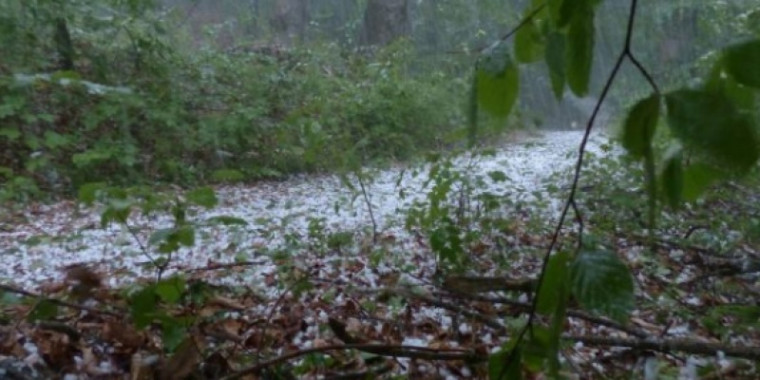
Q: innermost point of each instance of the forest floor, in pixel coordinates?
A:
(308, 275)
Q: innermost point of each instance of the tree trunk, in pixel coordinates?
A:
(384, 21)
(289, 20)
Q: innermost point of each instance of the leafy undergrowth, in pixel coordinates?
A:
(433, 298)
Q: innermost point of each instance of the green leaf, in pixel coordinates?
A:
(552, 301)
(227, 175)
(555, 11)
(602, 283)
(640, 126)
(710, 122)
(555, 60)
(10, 133)
(742, 62)
(173, 333)
(54, 140)
(170, 239)
(43, 310)
(697, 178)
(227, 221)
(171, 289)
(203, 196)
(143, 306)
(672, 178)
(502, 367)
(88, 192)
(555, 280)
(529, 41)
(498, 176)
(580, 49)
(160, 236)
(118, 211)
(497, 83)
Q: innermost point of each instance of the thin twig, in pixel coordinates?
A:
(59, 302)
(576, 176)
(369, 207)
(519, 26)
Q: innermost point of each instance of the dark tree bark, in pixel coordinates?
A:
(289, 20)
(64, 46)
(384, 21)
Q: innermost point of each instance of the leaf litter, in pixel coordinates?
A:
(271, 289)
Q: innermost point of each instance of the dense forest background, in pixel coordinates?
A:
(283, 189)
(187, 90)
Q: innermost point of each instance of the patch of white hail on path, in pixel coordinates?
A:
(275, 212)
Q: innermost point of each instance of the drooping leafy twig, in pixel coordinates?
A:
(570, 202)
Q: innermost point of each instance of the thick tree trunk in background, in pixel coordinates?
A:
(289, 20)
(384, 21)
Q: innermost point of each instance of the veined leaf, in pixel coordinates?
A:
(640, 125)
(497, 83)
(602, 283)
(580, 49)
(552, 301)
(227, 220)
(171, 289)
(500, 367)
(554, 281)
(672, 178)
(555, 60)
(697, 178)
(529, 41)
(742, 63)
(203, 196)
(710, 121)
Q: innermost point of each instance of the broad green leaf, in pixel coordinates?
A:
(173, 334)
(555, 60)
(536, 349)
(552, 301)
(227, 175)
(498, 176)
(580, 50)
(672, 178)
(118, 211)
(555, 10)
(43, 310)
(88, 192)
(54, 140)
(529, 41)
(710, 122)
(203, 196)
(10, 133)
(718, 81)
(227, 221)
(503, 367)
(742, 62)
(602, 283)
(170, 239)
(640, 126)
(171, 289)
(143, 306)
(160, 236)
(697, 178)
(497, 82)
(555, 280)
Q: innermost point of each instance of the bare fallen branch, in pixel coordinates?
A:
(59, 302)
(398, 351)
(688, 346)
